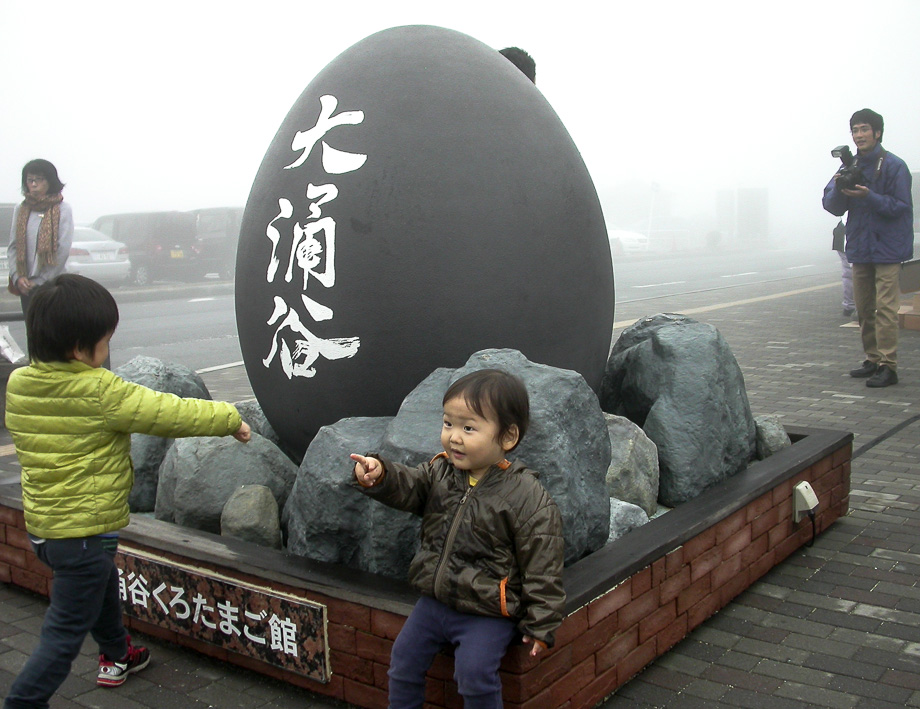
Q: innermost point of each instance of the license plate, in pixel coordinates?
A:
(104, 256)
(177, 253)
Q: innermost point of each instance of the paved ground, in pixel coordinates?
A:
(835, 625)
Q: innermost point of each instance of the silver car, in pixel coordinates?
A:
(97, 256)
(626, 242)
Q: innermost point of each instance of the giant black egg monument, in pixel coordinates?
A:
(421, 201)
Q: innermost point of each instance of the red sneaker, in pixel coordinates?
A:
(113, 673)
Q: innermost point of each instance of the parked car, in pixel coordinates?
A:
(98, 256)
(627, 242)
(6, 225)
(668, 233)
(160, 244)
(217, 233)
(177, 245)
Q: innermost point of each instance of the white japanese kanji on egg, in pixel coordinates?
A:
(335, 162)
(310, 245)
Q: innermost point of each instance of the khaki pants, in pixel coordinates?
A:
(877, 296)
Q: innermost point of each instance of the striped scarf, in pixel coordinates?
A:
(48, 231)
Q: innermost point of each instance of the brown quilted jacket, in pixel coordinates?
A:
(495, 549)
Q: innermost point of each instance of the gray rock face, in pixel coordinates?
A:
(633, 472)
(328, 520)
(156, 374)
(251, 514)
(252, 413)
(414, 434)
(678, 380)
(624, 517)
(771, 435)
(147, 452)
(199, 475)
(567, 443)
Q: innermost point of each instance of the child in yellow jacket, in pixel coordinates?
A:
(71, 421)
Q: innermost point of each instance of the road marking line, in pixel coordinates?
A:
(738, 275)
(746, 301)
(219, 367)
(656, 285)
(200, 300)
(7, 450)
(792, 268)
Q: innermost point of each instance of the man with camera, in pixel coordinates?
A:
(874, 187)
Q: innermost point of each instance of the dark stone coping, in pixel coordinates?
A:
(601, 571)
(584, 580)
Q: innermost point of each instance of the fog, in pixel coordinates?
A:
(172, 105)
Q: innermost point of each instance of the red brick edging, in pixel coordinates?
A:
(616, 624)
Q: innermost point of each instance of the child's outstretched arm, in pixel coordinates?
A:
(243, 433)
(367, 470)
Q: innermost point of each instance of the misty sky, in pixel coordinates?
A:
(171, 105)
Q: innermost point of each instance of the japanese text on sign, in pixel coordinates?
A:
(278, 629)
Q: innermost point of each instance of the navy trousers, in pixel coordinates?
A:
(84, 599)
(480, 643)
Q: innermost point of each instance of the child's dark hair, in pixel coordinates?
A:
(522, 60)
(69, 312)
(498, 391)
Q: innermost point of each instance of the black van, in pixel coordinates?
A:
(160, 244)
(217, 232)
(177, 245)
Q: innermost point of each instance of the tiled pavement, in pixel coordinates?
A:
(835, 625)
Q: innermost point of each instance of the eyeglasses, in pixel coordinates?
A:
(33, 180)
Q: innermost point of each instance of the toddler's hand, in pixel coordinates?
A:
(243, 433)
(367, 470)
(537, 648)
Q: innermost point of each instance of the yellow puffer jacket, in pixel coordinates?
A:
(72, 425)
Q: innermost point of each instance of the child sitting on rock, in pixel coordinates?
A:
(71, 421)
(490, 560)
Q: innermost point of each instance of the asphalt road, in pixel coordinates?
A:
(195, 324)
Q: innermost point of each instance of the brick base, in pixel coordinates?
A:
(625, 607)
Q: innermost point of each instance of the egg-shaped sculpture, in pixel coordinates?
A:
(420, 202)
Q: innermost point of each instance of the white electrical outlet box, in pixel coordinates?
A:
(804, 500)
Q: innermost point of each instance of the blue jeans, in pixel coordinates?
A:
(481, 643)
(84, 599)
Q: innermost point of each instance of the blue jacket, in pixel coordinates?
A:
(880, 228)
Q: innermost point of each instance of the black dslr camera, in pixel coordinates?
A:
(850, 175)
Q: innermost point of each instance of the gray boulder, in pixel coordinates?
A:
(567, 443)
(678, 380)
(156, 374)
(624, 517)
(251, 514)
(771, 435)
(327, 519)
(199, 475)
(252, 413)
(147, 452)
(414, 434)
(632, 475)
